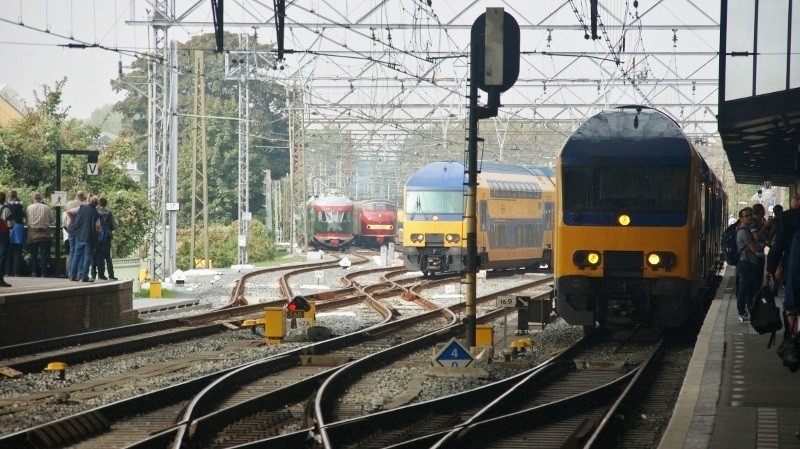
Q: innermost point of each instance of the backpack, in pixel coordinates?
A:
(3, 223)
(765, 316)
(729, 250)
(104, 237)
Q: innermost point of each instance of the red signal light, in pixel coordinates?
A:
(298, 304)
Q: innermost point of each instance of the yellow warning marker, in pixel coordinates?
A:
(10, 372)
(526, 341)
(521, 344)
(61, 367)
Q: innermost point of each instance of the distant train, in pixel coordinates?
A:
(329, 222)
(514, 217)
(376, 222)
(639, 220)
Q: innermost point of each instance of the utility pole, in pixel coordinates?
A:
(297, 168)
(199, 161)
(244, 148)
(494, 68)
(268, 200)
(162, 139)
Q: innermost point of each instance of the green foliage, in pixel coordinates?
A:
(268, 131)
(165, 293)
(223, 247)
(106, 119)
(28, 146)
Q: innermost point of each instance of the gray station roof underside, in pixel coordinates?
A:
(761, 137)
(759, 95)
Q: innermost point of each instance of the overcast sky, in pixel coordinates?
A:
(31, 59)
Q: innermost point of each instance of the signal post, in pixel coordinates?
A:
(494, 68)
(275, 319)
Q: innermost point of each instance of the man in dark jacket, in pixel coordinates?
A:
(14, 265)
(102, 253)
(790, 225)
(84, 225)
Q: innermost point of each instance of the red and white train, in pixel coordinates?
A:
(376, 223)
(336, 222)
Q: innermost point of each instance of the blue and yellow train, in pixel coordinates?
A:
(638, 224)
(515, 206)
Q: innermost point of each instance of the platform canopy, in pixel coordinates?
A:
(759, 103)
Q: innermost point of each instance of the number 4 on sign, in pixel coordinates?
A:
(453, 355)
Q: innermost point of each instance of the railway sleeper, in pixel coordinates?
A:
(69, 430)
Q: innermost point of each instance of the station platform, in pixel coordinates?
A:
(151, 307)
(35, 308)
(30, 285)
(736, 393)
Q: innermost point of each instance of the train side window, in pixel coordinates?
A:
(484, 214)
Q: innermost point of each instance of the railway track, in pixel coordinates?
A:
(54, 435)
(560, 391)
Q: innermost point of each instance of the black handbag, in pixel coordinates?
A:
(789, 352)
(765, 316)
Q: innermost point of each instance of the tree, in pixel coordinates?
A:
(106, 119)
(223, 249)
(28, 146)
(268, 129)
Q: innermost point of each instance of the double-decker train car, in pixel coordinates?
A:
(514, 217)
(329, 222)
(376, 222)
(639, 220)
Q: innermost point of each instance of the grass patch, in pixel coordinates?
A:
(165, 293)
(280, 259)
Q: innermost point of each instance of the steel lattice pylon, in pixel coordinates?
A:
(199, 163)
(162, 142)
(244, 148)
(298, 168)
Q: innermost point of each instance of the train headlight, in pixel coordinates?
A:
(417, 237)
(586, 259)
(624, 220)
(660, 259)
(452, 238)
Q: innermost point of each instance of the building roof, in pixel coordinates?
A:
(12, 106)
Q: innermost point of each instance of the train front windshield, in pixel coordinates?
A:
(379, 206)
(334, 220)
(644, 188)
(434, 202)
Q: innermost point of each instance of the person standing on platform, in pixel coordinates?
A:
(83, 227)
(40, 218)
(6, 223)
(774, 228)
(80, 199)
(102, 254)
(746, 267)
(14, 265)
(790, 262)
(757, 228)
